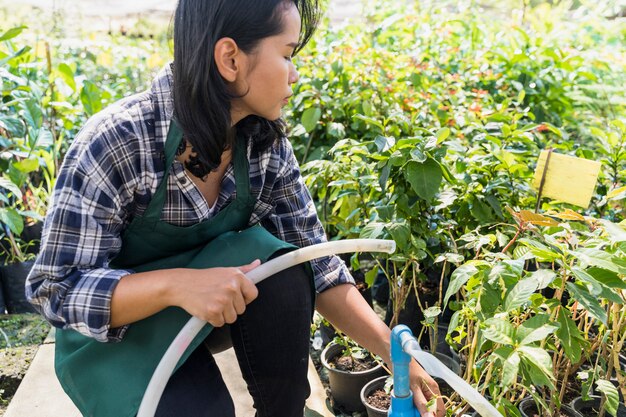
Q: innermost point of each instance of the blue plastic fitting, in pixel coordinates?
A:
(402, 397)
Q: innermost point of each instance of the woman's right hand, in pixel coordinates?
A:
(216, 295)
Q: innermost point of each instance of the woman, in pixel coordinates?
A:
(145, 220)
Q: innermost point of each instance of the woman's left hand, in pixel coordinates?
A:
(426, 395)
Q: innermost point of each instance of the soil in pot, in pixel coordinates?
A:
(347, 376)
(591, 408)
(528, 408)
(375, 399)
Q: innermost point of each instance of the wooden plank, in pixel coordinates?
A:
(568, 179)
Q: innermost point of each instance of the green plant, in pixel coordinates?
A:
(523, 331)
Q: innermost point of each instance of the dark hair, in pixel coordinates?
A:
(201, 97)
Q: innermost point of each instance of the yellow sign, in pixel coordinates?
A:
(567, 178)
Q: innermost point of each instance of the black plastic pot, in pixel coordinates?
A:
(13, 277)
(346, 386)
(591, 408)
(528, 408)
(368, 389)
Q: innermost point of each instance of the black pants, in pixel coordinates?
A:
(271, 341)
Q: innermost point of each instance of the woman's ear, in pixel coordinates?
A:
(227, 55)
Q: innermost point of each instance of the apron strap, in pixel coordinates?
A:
(155, 207)
(241, 166)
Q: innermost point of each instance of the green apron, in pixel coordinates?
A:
(109, 379)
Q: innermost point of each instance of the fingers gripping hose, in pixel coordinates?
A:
(182, 341)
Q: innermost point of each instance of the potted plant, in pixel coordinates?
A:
(376, 396)
(349, 368)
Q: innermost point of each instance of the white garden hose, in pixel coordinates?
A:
(182, 341)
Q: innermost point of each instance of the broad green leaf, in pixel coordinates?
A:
(592, 284)
(606, 277)
(520, 294)
(12, 219)
(458, 278)
(535, 329)
(91, 97)
(596, 288)
(373, 230)
(44, 139)
(310, 117)
(442, 135)
(615, 231)
(370, 276)
(595, 257)
(539, 250)
(510, 368)
(425, 178)
(539, 359)
(611, 394)
(481, 211)
(67, 75)
(569, 336)
(544, 278)
(400, 232)
(384, 143)
(9, 185)
(32, 113)
(27, 165)
(11, 33)
(499, 330)
(488, 300)
(588, 301)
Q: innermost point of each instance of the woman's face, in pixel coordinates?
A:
(269, 73)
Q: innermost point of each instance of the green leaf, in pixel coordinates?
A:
(370, 276)
(544, 278)
(12, 219)
(539, 359)
(611, 394)
(425, 178)
(400, 232)
(91, 97)
(488, 300)
(569, 336)
(499, 330)
(588, 301)
(595, 257)
(520, 294)
(67, 75)
(539, 250)
(11, 33)
(535, 329)
(9, 185)
(458, 278)
(373, 230)
(384, 143)
(32, 113)
(510, 368)
(442, 135)
(596, 288)
(481, 211)
(27, 165)
(606, 277)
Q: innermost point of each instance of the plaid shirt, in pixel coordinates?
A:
(109, 175)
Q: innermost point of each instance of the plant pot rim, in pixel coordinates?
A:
(333, 345)
(367, 387)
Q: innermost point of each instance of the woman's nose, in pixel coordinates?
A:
(293, 74)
